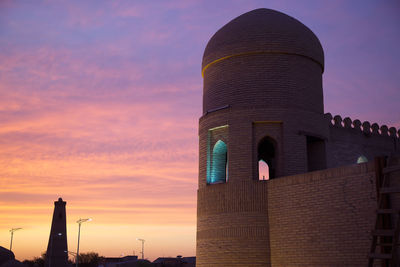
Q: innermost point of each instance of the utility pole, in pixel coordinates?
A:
(142, 240)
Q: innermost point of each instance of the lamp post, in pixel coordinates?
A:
(80, 221)
(142, 240)
(12, 235)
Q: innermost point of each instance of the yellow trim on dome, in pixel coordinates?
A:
(256, 53)
(226, 57)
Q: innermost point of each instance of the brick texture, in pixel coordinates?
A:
(322, 218)
(301, 218)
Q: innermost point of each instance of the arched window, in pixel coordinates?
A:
(362, 159)
(266, 156)
(263, 170)
(219, 163)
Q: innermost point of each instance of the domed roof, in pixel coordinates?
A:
(263, 31)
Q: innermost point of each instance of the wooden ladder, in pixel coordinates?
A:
(385, 235)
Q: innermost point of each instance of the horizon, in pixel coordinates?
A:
(100, 101)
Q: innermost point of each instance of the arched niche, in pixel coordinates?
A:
(266, 152)
(219, 163)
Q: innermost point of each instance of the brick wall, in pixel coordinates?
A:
(232, 225)
(270, 80)
(322, 218)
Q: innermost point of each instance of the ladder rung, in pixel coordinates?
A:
(383, 232)
(385, 211)
(389, 190)
(380, 256)
(391, 169)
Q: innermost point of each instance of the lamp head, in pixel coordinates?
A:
(84, 220)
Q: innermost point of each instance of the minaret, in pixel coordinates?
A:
(57, 249)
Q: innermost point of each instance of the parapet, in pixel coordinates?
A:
(364, 127)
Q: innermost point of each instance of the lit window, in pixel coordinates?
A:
(266, 158)
(263, 170)
(362, 159)
(219, 163)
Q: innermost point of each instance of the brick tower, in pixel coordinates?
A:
(57, 249)
(262, 106)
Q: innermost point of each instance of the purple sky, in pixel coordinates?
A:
(100, 100)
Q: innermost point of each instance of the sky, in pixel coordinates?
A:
(100, 101)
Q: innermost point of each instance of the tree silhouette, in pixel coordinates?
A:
(90, 259)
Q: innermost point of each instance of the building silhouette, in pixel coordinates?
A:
(263, 118)
(57, 249)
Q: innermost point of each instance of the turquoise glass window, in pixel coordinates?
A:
(219, 163)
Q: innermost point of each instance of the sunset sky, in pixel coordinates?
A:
(100, 100)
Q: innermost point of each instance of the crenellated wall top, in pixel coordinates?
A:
(366, 127)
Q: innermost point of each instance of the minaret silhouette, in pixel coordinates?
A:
(57, 249)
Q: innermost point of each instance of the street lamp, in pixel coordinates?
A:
(142, 240)
(80, 221)
(12, 234)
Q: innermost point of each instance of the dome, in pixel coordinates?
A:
(263, 31)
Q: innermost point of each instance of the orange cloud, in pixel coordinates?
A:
(129, 163)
